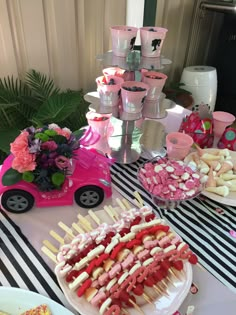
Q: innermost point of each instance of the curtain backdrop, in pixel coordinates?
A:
(57, 37)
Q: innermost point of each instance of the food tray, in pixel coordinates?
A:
(165, 304)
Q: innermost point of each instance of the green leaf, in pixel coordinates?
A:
(59, 139)
(28, 176)
(57, 108)
(78, 133)
(7, 136)
(58, 178)
(42, 86)
(11, 177)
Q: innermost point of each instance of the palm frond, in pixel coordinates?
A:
(58, 107)
(12, 89)
(42, 86)
(78, 118)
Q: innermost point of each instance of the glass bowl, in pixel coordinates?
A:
(169, 182)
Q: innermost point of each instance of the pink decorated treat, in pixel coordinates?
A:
(169, 179)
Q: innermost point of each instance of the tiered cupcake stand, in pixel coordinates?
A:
(122, 139)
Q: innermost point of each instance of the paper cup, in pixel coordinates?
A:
(152, 39)
(178, 145)
(123, 39)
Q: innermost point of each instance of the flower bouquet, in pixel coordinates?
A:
(42, 156)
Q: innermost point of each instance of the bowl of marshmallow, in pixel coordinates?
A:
(169, 182)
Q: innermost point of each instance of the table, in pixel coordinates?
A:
(22, 264)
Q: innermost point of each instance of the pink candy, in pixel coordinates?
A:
(169, 179)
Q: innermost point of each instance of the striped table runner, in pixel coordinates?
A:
(196, 221)
(19, 258)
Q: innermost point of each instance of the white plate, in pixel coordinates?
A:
(162, 305)
(16, 301)
(230, 200)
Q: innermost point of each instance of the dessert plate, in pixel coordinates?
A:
(230, 200)
(177, 291)
(16, 301)
(163, 305)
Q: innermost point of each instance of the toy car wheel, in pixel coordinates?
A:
(17, 201)
(89, 196)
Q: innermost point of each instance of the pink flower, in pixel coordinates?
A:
(63, 132)
(62, 162)
(20, 143)
(49, 145)
(24, 161)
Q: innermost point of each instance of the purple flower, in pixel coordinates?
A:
(34, 146)
(49, 145)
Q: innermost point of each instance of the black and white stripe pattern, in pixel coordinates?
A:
(196, 221)
(19, 258)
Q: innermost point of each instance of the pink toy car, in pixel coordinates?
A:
(89, 183)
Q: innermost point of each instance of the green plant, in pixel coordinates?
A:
(36, 100)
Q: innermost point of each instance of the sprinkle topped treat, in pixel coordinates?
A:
(39, 310)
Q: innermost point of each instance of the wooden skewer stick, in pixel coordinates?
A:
(108, 211)
(137, 203)
(172, 272)
(94, 217)
(138, 197)
(160, 290)
(66, 229)
(57, 237)
(120, 204)
(85, 223)
(200, 266)
(136, 306)
(147, 298)
(47, 252)
(170, 280)
(113, 210)
(50, 246)
(125, 311)
(126, 203)
(78, 228)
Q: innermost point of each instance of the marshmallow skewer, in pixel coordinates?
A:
(118, 227)
(145, 296)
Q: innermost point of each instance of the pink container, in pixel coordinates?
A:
(99, 122)
(156, 82)
(109, 93)
(132, 101)
(123, 39)
(113, 71)
(178, 145)
(152, 39)
(221, 120)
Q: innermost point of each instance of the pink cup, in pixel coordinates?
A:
(178, 145)
(152, 39)
(132, 101)
(99, 122)
(113, 71)
(109, 93)
(156, 82)
(123, 39)
(221, 120)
